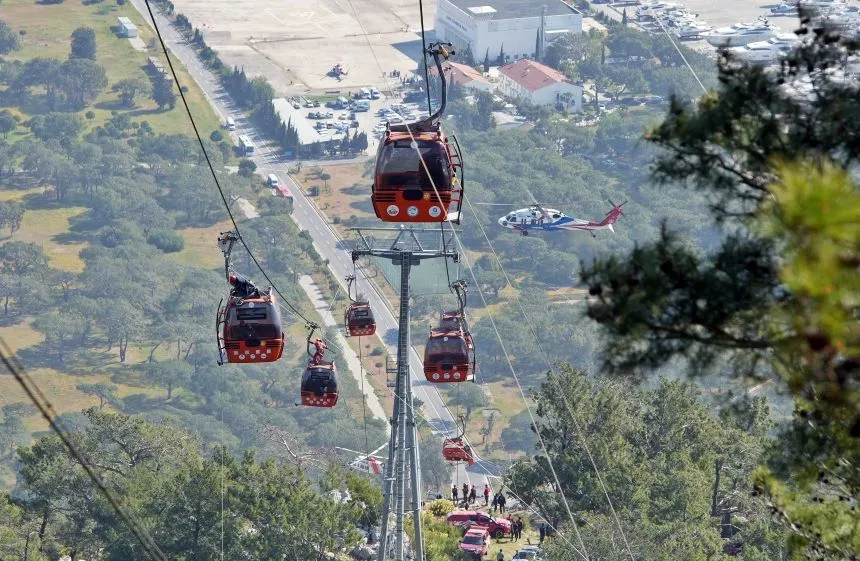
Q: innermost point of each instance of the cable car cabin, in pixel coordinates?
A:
(319, 385)
(449, 356)
(251, 330)
(455, 450)
(358, 320)
(403, 190)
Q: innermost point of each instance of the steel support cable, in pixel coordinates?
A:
(560, 389)
(286, 302)
(16, 369)
(584, 552)
(424, 51)
(681, 54)
(517, 497)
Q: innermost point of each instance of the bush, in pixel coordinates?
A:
(440, 508)
(167, 241)
(216, 136)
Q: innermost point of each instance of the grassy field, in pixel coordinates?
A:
(49, 228)
(48, 30)
(200, 247)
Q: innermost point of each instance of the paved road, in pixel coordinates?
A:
(326, 240)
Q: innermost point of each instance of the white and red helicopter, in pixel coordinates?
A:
(537, 217)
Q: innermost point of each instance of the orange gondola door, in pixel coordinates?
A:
(319, 381)
(419, 173)
(248, 327)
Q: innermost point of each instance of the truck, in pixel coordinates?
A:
(361, 106)
(246, 145)
(230, 124)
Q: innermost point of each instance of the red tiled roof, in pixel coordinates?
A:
(461, 74)
(532, 75)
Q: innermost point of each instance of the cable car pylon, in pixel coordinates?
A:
(406, 251)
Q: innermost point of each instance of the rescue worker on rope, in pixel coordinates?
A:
(319, 353)
(242, 286)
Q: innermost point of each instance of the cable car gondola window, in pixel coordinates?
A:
(453, 346)
(244, 313)
(401, 167)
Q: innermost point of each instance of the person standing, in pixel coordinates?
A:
(486, 493)
(519, 527)
(495, 503)
(454, 493)
(542, 532)
(500, 556)
(465, 494)
(473, 495)
(502, 501)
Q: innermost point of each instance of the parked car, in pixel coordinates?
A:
(272, 180)
(476, 543)
(530, 552)
(468, 519)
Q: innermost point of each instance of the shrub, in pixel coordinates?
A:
(167, 241)
(440, 508)
(216, 136)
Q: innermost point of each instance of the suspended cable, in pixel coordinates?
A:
(495, 329)
(559, 388)
(511, 492)
(681, 54)
(16, 369)
(424, 51)
(286, 302)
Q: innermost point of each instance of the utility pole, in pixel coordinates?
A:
(407, 251)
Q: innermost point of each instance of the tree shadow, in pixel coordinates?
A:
(356, 189)
(112, 105)
(139, 403)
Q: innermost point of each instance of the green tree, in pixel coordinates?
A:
(170, 374)
(82, 80)
(56, 126)
(12, 215)
(83, 43)
(749, 303)
(247, 167)
(7, 123)
(163, 92)
(130, 88)
(105, 392)
(9, 40)
(469, 397)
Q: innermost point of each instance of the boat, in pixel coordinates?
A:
(784, 9)
(766, 52)
(822, 5)
(847, 18)
(651, 10)
(692, 30)
(741, 34)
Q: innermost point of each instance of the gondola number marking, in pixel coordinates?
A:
(412, 211)
(393, 210)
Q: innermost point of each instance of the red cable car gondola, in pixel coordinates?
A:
(419, 174)
(357, 317)
(450, 353)
(248, 326)
(319, 381)
(457, 449)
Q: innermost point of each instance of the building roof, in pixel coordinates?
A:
(512, 9)
(461, 74)
(304, 127)
(532, 75)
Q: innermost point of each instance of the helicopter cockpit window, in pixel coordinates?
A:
(402, 160)
(556, 215)
(512, 218)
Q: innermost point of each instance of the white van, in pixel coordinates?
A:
(230, 124)
(272, 180)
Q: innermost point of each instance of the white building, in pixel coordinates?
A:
(489, 26)
(539, 84)
(126, 28)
